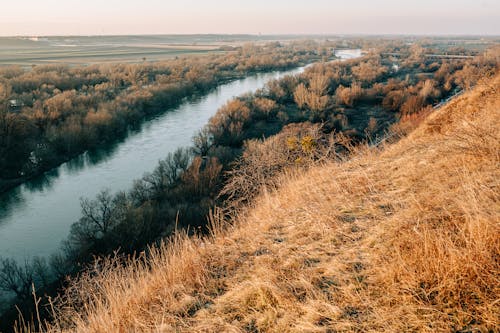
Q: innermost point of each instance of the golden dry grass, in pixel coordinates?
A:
(404, 238)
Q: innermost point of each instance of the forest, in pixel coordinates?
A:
(294, 122)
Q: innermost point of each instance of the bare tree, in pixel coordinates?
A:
(300, 95)
(168, 170)
(98, 213)
(202, 142)
(16, 278)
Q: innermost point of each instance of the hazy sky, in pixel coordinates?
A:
(77, 17)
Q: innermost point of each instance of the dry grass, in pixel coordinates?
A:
(404, 238)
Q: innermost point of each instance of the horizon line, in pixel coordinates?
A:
(261, 34)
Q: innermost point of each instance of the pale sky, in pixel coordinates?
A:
(105, 17)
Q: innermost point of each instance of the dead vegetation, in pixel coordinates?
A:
(401, 238)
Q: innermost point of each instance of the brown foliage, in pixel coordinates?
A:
(202, 175)
(228, 122)
(393, 100)
(413, 104)
(348, 95)
(429, 90)
(369, 71)
(296, 146)
(264, 106)
(301, 95)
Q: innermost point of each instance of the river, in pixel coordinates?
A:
(36, 216)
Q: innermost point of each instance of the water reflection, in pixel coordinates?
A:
(43, 182)
(12, 200)
(92, 157)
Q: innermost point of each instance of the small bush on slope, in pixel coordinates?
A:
(405, 238)
(297, 146)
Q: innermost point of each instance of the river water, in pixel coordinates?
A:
(36, 216)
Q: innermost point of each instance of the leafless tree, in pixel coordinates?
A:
(16, 278)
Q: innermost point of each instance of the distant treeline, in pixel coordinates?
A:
(51, 113)
(305, 118)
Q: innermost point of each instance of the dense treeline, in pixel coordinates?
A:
(307, 117)
(51, 113)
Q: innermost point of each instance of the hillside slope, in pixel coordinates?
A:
(401, 238)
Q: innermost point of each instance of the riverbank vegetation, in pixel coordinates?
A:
(305, 120)
(53, 112)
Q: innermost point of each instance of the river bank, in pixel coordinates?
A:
(192, 92)
(35, 216)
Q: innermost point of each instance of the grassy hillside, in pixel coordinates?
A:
(405, 237)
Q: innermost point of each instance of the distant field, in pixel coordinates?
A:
(78, 55)
(81, 50)
(89, 50)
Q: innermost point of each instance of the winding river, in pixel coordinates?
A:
(36, 216)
